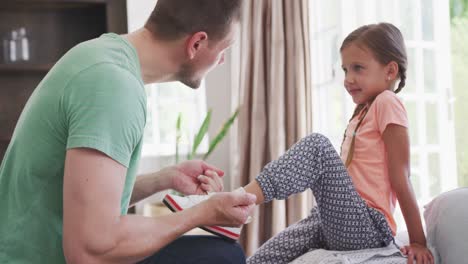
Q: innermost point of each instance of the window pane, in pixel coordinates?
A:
(429, 71)
(415, 172)
(427, 20)
(165, 102)
(432, 131)
(175, 90)
(167, 119)
(148, 133)
(434, 174)
(413, 122)
(459, 34)
(416, 182)
(338, 97)
(411, 72)
(329, 13)
(167, 116)
(407, 19)
(385, 10)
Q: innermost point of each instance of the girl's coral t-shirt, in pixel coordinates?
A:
(369, 167)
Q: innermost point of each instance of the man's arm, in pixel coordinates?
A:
(95, 232)
(149, 184)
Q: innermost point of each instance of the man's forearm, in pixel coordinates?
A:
(133, 238)
(149, 184)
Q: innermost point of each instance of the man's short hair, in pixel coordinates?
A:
(172, 19)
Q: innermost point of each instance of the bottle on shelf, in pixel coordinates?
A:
(23, 45)
(13, 49)
(6, 49)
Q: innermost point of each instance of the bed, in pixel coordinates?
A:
(446, 219)
(387, 255)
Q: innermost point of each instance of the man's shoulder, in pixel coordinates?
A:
(108, 51)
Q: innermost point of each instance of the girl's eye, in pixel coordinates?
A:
(358, 67)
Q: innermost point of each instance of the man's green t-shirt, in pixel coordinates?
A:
(93, 97)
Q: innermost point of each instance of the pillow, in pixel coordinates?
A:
(447, 226)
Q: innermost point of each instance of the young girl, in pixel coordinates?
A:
(356, 194)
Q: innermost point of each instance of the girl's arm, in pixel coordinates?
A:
(397, 145)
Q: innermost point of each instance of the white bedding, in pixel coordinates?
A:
(446, 218)
(387, 255)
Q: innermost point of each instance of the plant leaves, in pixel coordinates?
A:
(178, 136)
(201, 133)
(222, 133)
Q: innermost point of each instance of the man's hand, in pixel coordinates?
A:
(227, 209)
(196, 177)
(417, 254)
(188, 177)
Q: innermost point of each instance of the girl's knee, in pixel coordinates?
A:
(318, 138)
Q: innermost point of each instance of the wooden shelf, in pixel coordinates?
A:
(52, 27)
(48, 4)
(25, 67)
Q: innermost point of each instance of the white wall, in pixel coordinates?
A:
(138, 12)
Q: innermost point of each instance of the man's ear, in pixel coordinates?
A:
(195, 43)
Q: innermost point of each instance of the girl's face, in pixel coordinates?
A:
(365, 77)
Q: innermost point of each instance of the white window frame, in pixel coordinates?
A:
(155, 146)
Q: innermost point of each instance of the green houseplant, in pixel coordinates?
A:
(201, 134)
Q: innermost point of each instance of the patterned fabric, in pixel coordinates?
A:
(341, 220)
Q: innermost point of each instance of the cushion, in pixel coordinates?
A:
(447, 226)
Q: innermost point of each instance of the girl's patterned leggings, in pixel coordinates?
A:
(340, 221)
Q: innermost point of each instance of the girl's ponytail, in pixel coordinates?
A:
(402, 73)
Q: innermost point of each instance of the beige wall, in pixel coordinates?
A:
(218, 97)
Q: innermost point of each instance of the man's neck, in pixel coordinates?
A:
(159, 61)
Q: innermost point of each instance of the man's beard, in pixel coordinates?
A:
(185, 76)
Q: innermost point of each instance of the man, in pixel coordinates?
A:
(66, 180)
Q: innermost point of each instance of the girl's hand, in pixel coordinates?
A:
(417, 254)
(196, 177)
